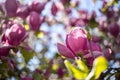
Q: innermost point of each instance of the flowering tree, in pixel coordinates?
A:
(82, 44)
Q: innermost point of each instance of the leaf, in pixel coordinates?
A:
(93, 23)
(27, 54)
(100, 64)
(77, 73)
(37, 76)
(82, 66)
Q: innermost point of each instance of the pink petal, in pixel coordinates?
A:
(77, 40)
(95, 53)
(64, 51)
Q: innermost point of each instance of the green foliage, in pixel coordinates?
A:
(76, 72)
(27, 54)
(100, 64)
(82, 66)
(82, 72)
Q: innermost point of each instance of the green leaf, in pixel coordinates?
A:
(77, 73)
(100, 64)
(82, 66)
(37, 76)
(93, 23)
(27, 54)
(89, 36)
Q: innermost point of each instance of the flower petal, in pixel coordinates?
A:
(64, 51)
(77, 40)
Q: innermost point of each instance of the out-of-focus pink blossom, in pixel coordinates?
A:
(65, 1)
(11, 7)
(37, 6)
(4, 50)
(60, 72)
(68, 10)
(107, 53)
(54, 9)
(34, 20)
(6, 24)
(14, 35)
(22, 11)
(114, 29)
(77, 22)
(27, 78)
(96, 38)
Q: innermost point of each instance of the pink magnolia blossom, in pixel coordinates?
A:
(37, 6)
(14, 35)
(4, 50)
(76, 42)
(34, 20)
(11, 7)
(54, 9)
(114, 29)
(22, 11)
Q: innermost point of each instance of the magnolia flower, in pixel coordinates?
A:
(14, 35)
(11, 7)
(76, 42)
(22, 11)
(114, 29)
(4, 50)
(34, 20)
(54, 9)
(37, 6)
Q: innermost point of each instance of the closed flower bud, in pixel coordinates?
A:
(22, 11)
(114, 29)
(34, 21)
(37, 6)
(11, 7)
(65, 1)
(4, 50)
(54, 9)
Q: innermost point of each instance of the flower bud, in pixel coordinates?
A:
(37, 7)
(76, 42)
(22, 11)
(4, 50)
(11, 7)
(34, 21)
(14, 35)
(5, 25)
(65, 1)
(54, 9)
(114, 29)
(60, 72)
(96, 38)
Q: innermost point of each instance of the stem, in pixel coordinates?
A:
(90, 45)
